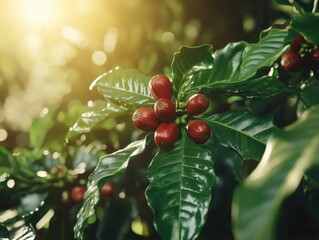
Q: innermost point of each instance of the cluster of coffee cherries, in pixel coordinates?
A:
(165, 118)
(301, 54)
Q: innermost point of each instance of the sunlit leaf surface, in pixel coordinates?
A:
(188, 61)
(242, 131)
(127, 87)
(180, 189)
(263, 53)
(101, 110)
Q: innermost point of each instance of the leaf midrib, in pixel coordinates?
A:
(122, 90)
(180, 192)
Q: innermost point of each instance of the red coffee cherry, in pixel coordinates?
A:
(198, 131)
(107, 190)
(145, 119)
(291, 61)
(166, 135)
(297, 43)
(161, 87)
(165, 110)
(197, 104)
(77, 193)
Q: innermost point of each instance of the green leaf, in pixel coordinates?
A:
(224, 76)
(40, 127)
(127, 87)
(5, 166)
(187, 61)
(263, 53)
(180, 189)
(100, 110)
(226, 65)
(241, 131)
(307, 25)
(108, 166)
(288, 155)
(309, 94)
(262, 87)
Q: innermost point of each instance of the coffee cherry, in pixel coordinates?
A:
(297, 43)
(314, 55)
(166, 135)
(145, 119)
(165, 110)
(161, 87)
(198, 131)
(77, 193)
(197, 104)
(291, 61)
(107, 190)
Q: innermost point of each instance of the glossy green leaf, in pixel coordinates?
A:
(263, 53)
(40, 127)
(225, 70)
(288, 155)
(108, 166)
(262, 87)
(100, 110)
(187, 61)
(180, 189)
(309, 93)
(129, 88)
(307, 25)
(242, 131)
(224, 76)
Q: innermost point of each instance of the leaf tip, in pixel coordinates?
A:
(94, 83)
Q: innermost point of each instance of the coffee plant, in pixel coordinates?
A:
(223, 145)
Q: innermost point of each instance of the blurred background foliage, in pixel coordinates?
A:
(52, 50)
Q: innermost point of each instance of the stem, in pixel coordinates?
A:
(315, 2)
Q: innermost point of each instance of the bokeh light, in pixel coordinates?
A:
(36, 12)
(3, 135)
(99, 58)
(10, 183)
(53, 49)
